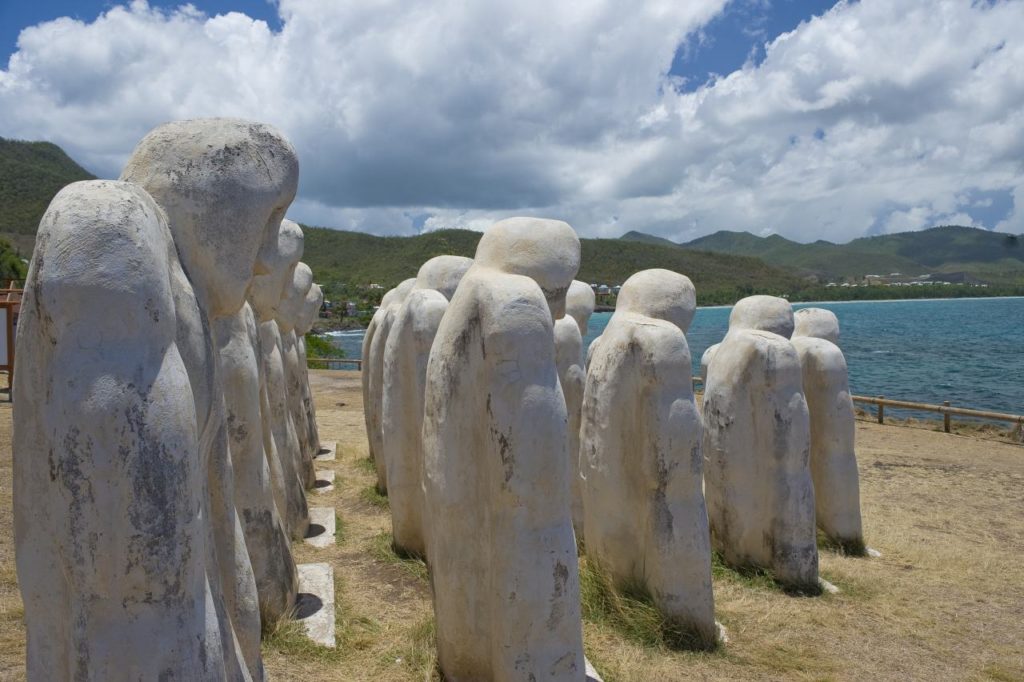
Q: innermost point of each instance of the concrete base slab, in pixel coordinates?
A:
(322, 527)
(721, 634)
(314, 606)
(826, 586)
(324, 481)
(328, 452)
(592, 675)
(873, 553)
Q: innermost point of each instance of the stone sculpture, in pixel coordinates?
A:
(705, 363)
(289, 310)
(571, 362)
(572, 376)
(311, 310)
(758, 486)
(495, 446)
(826, 386)
(646, 523)
(225, 186)
(131, 561)
(404, 375)
(280, 440)
(374, 343)
(580, 303)
(266, 538)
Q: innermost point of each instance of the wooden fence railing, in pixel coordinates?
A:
(337, 361)
(945, 409)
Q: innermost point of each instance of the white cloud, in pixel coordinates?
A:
(879, 115)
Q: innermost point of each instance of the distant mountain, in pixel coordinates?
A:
(989, 256)
(31, 173)
(354, 258)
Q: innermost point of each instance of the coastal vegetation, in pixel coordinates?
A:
(724, 266)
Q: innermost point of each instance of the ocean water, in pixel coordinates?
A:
(967, 351)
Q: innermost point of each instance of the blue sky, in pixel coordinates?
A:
(809, 119)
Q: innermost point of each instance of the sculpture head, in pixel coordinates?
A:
(310, 310)
(661, 294)
(265, 290)
(443, 273)
(225, 185)
(397, 295)
(547, 251)
(817, 322)
(579, 304)
(763, 313)
(293, 299)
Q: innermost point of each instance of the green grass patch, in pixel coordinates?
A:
(757, 578)
(367, 465)
(382, 548)
(372, 497)
(630, 610)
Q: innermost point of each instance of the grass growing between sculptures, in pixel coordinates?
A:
(382, 548)
(943, 602)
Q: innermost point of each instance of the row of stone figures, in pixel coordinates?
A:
(164, 430)
(503, 450)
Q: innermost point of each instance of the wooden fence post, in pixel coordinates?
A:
(945, 416)
(881, 410)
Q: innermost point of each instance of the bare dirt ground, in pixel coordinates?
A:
(945, 601)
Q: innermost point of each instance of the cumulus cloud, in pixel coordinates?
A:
(879, 115)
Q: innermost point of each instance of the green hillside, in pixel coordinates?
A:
(990, 256)
(30, 174)
(353, 259)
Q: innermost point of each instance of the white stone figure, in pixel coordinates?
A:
(374, 343)
(403, 377)
(112, 557)
(580, 303)
(646, 523)
(705, 363)
(572, 373)
(758, 486)
(280, 441)
(500, 541)
(310, 311)
(266, 537)
(289, 311)
(833, 460)
(225, 186)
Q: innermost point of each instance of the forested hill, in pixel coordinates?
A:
(31, 173)
(988, 256)
(358, 259)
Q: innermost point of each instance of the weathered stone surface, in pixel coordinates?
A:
(107, 466)
(322, 527)
(280, 441)
(404, 374)
(579, 304)
(374, 344)
(289, 313)
(833, 460)
(225, 186)
(266, 537)
(646, 522)
(758, 486)
(500, 542)
(315, 604)
(310, 311)
(572, 376)
(324, 481)
(328, 452)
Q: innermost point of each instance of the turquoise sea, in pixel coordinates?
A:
(967, 351)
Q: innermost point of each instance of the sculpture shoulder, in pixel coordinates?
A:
(422, 311)
(819, 354)
(102, 269)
